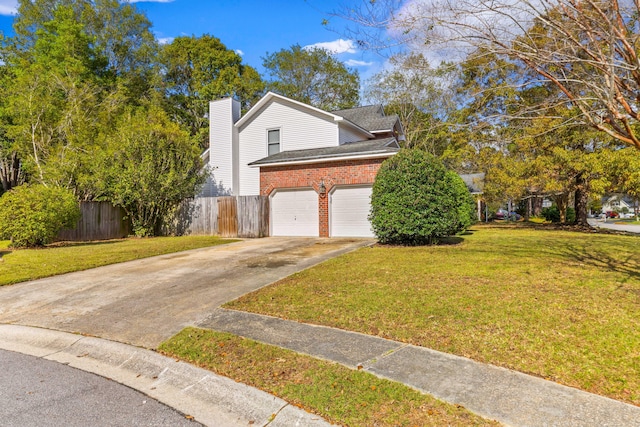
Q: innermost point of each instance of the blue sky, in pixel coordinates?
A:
(250, 27)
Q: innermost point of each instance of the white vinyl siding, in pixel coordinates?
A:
(349, 210)
(350, 135)
(299, 130)
(222, 138)
(294, 213)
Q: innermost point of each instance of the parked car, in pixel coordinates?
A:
(501, 214)
(612, 214)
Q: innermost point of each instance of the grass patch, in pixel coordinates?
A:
(627, 222)
(557, 304)
(337, 393)
(19, 265)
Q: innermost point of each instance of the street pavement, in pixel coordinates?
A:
(41, 393)
(599, 223)
(210, 399)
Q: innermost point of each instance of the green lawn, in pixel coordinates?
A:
(339, 394)
(27, 264)
(561, 305)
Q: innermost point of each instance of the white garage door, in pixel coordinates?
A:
(294, 213)
(349, 211)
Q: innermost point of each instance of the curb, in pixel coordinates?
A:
(211, 399)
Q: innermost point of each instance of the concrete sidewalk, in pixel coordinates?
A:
(211, 399)
(495, 393)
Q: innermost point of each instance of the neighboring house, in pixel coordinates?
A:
(317, 167)
(617, 203)
(475, 185)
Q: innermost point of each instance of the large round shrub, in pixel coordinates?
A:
(32, 215)
(416, 200)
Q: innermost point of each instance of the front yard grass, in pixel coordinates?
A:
(339, 394)
(561, 305)
(28, 264)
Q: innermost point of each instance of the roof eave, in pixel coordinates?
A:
(271, 95)
(332, 158)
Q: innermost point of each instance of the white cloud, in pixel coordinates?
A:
(165, 40)
(8, 7)
(336, 47)
(356, 63)
(239, 52)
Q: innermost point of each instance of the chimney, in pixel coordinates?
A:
(223, 146)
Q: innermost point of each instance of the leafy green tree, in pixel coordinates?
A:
(56, 104)
(32, 215)
(312, 76)
(197, 70)
(421, 97)
(416, 200)
(11, 173)
(150, 167)
(118, 32)
(586, 49)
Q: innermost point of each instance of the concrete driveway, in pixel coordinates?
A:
(145, 302)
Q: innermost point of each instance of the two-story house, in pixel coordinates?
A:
(317, 167)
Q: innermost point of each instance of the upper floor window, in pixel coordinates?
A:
(273, 141)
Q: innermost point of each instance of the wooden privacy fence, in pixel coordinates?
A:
(242, 216)
(98, 221)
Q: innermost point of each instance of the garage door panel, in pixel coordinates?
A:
(350, 208)
(294, 213)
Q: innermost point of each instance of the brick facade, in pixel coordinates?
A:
(347, 172)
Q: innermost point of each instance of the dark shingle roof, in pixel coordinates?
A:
(374, 146)
(371, 118)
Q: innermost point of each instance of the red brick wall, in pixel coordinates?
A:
(348, 172)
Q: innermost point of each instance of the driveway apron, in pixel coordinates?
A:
(144, 302)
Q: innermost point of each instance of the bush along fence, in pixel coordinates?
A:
(98, 221)
(242, 216)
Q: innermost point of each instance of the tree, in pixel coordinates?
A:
(416, 200)
(11, 173)
(312, 76)
(118, 31)
(32, 215)
(585, 48)
(197, 70)
(541, 152)
(150, 167)
(420, 95)
(56, 104)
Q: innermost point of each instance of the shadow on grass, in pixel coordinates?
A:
(451, 240)
(3, 253)
(67, 244)
(628, 264)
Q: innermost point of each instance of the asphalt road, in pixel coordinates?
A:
(38, 392)
(597, 223)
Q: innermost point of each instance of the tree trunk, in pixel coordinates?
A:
(10, 172)
(562, 201)
(537, 205)
(581, 200)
